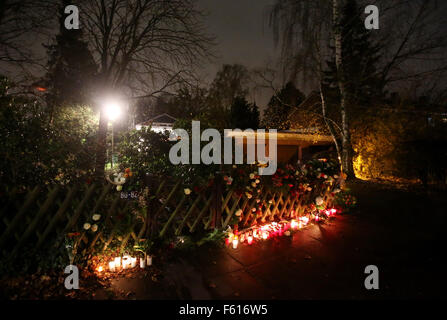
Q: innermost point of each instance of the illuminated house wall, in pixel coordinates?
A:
(161, 123)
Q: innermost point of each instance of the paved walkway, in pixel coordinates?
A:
(398, 231)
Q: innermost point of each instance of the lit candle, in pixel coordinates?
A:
(149, 260)
(142, 263)
(117, 262)
(265, 235)
(249, 239)
(133, 262)
(112, 266)
(317, 218)
(126, 262)
(235, 242)
(294, 224)
(100, 269)
(333, 211)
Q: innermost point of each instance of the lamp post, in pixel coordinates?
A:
(113, 111)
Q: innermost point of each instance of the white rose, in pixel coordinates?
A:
(319, 201)
(119, 188)
(253, 184)
(258, 181)
(96, 217)
(94, 227)
(187, 191)
(238, 212)
(87, 226)
(252, 175)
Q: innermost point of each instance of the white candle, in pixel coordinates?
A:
(235, 243)
(112, 266)
(133, 262)
(117, 262)
(149, 261)
(126, 262)
(142, 263)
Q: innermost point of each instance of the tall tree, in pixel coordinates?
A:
(231, 82)
(347, 151)
(360, 56)
(71, 67)
(244, 115)
(21, 22)
(142, 47)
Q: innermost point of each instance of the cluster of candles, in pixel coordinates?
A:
(272, 229)
(126, 262)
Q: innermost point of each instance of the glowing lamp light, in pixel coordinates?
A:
(100, 269)
(265, 235)
(333, 211)
(249, 239)
(112, 109)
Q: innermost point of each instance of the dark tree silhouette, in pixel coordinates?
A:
(244, 115)
(71, 67)
(276, 116)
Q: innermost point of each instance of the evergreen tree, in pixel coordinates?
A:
(276, 116)
(244, 115)
(71, 67)
(360, 56)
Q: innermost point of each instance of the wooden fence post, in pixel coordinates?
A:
(217, 201)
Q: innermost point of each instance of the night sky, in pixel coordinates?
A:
(242, 31)
(242, 35)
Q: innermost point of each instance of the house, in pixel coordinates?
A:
(161, 123)
(292, 147)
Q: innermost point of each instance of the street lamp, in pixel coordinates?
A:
(112, 109)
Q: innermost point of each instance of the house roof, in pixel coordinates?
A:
(289, 138)
(162, 118)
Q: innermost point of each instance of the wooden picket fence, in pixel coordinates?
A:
(42, 217)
